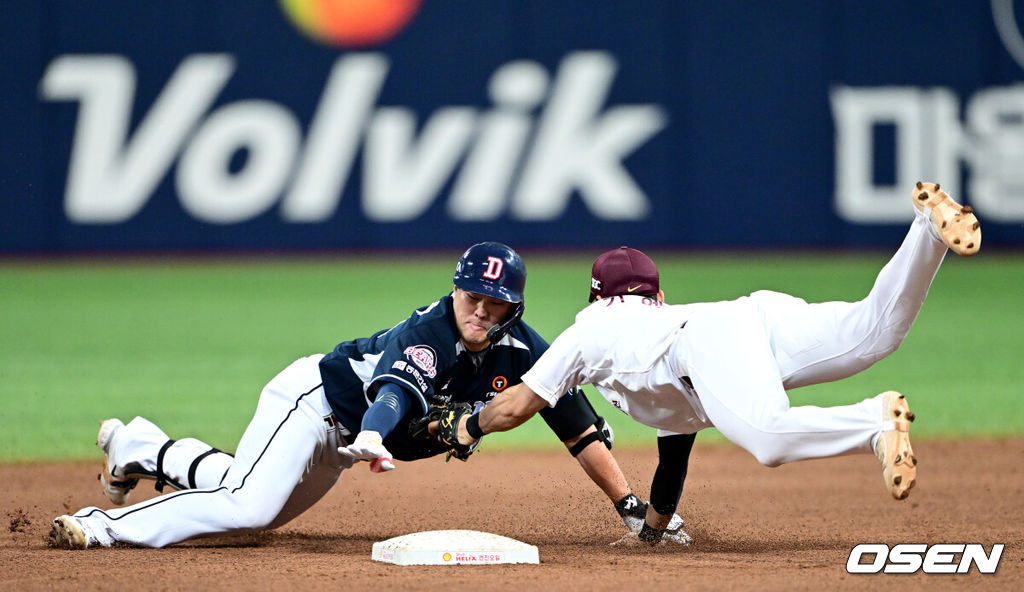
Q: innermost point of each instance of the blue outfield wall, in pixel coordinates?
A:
(135, 126)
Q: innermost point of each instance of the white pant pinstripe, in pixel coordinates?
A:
(286, 460)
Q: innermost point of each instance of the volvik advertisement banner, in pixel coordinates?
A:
(321, 124)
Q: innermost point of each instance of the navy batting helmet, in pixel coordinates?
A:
(492, 269)
(495, 270)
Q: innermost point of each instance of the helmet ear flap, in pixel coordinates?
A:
(498, 332)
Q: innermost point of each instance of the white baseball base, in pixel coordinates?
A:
(454, 547)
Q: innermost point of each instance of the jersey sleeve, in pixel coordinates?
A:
(413, 360)
(559, 369)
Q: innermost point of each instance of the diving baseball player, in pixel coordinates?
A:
(366, 400)
(728, 364)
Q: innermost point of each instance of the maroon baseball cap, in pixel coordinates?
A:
(623, 271)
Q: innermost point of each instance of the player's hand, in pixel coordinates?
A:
(368, 446)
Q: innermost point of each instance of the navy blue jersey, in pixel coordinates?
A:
(425, 356)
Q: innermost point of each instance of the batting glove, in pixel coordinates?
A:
(368, 446)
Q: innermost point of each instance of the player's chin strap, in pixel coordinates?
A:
(498, 332)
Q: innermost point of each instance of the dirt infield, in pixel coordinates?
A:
(755, 528)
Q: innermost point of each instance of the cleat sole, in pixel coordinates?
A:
(955, 224)
(899, 465)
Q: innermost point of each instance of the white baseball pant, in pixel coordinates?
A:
(286, 460)
(742, 355)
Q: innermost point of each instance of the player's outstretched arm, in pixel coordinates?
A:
(511, 408)
(390, 405)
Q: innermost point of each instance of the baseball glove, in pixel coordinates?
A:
(419, 428)
(447, 418)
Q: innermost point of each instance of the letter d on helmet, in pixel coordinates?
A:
(495, 270)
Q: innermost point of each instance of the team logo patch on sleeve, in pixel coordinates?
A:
(424, 357)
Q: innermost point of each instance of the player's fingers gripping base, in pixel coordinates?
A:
(369, 447)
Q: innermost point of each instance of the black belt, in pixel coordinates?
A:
(332, 422)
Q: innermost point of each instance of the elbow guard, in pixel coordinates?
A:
(571, 416)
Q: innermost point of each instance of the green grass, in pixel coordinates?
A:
(189, 344)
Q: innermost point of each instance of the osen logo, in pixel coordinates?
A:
(944, 558)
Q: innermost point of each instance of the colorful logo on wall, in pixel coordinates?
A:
(351, 23)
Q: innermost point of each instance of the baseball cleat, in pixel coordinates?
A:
(68, 533)
(899, 465)
(117, 489)
(631, 540)
(955, 224)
